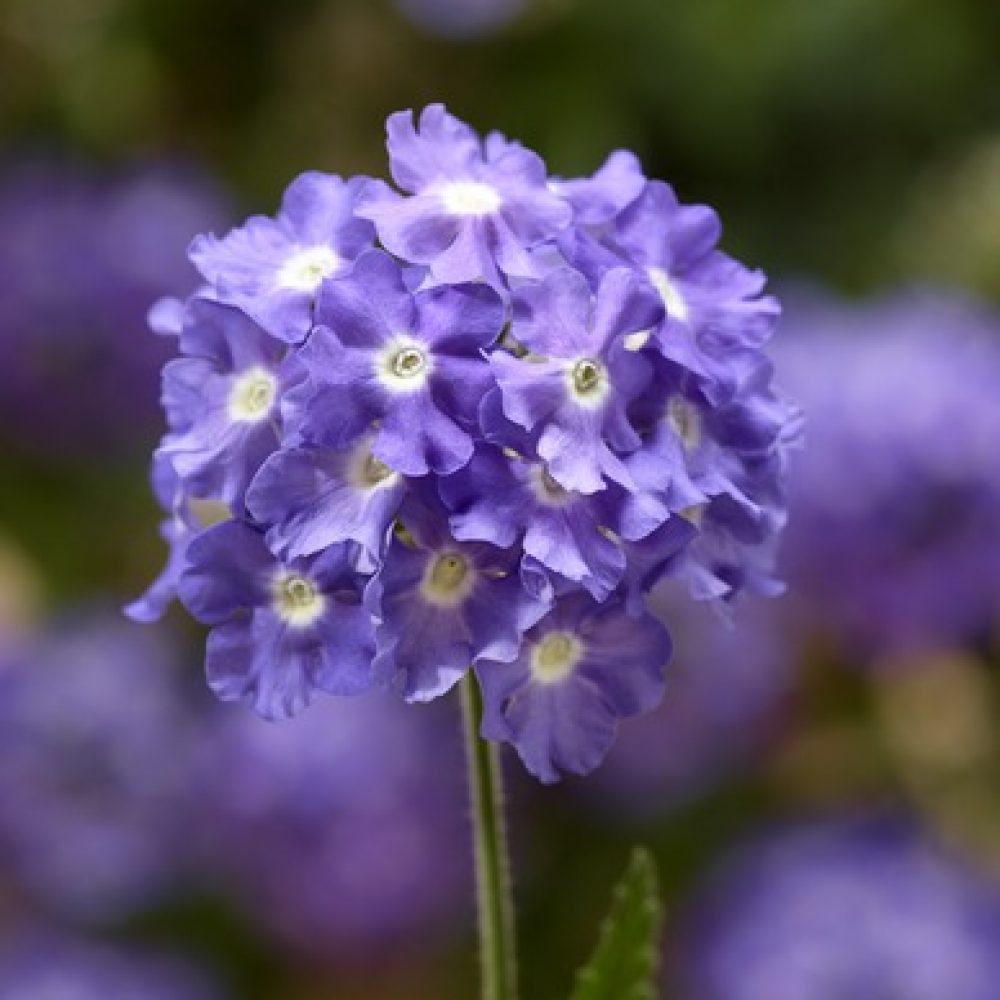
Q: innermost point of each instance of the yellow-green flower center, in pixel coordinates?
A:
(252, 396)
(404, 364)
(448, 579)
(409, 362)
(296, 599)
(555, 657)
(588, 379)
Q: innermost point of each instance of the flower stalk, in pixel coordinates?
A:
(498, 964)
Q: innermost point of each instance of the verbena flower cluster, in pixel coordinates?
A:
(469, 420)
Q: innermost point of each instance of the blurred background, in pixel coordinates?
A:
(821, 785)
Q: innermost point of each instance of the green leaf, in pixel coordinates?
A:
(625, 964)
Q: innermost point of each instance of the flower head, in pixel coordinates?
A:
(477, 445)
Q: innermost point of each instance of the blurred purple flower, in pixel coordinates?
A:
(41, 965)
(727, 698)
(894, 540)
(82, 257)
(333, 830)
(461, 18)
(855, 909)
(96, 753)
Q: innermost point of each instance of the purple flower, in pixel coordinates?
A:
(317, 497)
(851, 909)
(474, 209)
(728, 700)
(581, 669)
(280, 630)
(177, 529)
(93, 797)
(273, 268)
(694, 450)
(715, 314)
(45, 965)
(81, 258)
(331, 831)
(894, 541)
(734, 551)
(411, 362)
(579, 377)
(221, 400)
(498, 414)
(440, 604)
(508, 498)
(599, 199)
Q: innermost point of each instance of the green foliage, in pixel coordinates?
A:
(625, 964)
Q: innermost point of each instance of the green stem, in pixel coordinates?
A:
(496, 908)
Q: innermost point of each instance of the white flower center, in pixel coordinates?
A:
(470, 198)
(306, 269)
(404, 364)
(588, 382)
(685, 421)
(296, 600)
(555, 657)
(448, 579)
(366, 472)
(672, 298)
(252, 396)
